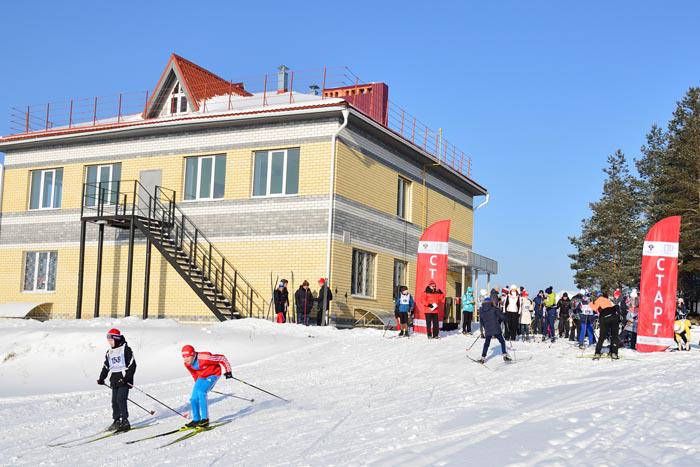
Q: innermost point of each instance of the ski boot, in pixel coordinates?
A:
(482, 360)
(401, 333)
(124, 426)
(114, 426)
(203, 423)
(596, 356)
(614, 356)
(581, 346)
(192, 424)
(506, 358)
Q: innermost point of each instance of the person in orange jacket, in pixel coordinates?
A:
(609, 318)
(433, 305)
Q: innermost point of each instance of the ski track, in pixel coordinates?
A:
(360, 399)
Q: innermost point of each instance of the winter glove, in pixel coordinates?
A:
(228, 375)
(101, 382)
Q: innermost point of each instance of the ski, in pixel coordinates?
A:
(83, 440)
(194, 432)
(602, 356)
(159, 435)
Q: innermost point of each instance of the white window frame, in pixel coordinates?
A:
(36, 271)
(268, 179)
(368, 283)
(407, 198)
(109, 183)
(41, 190)
(178, 96)
(197, 196)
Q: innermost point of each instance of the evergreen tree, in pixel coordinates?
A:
(608, 251)
(670, 171)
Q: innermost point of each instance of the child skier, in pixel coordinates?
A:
(205, 368)
(119, 361)
(491, 319)
(404, 306)
(587, 316)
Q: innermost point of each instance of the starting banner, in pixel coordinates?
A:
(431, 266)
(657, 297)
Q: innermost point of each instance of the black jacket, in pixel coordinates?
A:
(281, 298)
(304, 300)
(564, 306)
(491, 317)
(324, 298)
(127, 375)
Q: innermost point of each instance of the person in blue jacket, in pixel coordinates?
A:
(468, 304)
(491, 318)
(404, 305)
(540, 323)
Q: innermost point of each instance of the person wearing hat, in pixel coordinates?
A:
(324, 301)
(205, 369)
(491, 319)
(404, 305)
(121, 366)
(433, 304)
(609, 316)
(587, 316)
(526, 308)
(540, 324)
(564, 307)
(511, 307)
(468, 305)
(304, 300)
(281, 299)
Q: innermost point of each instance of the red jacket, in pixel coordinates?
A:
(206, 364)
(438, 298)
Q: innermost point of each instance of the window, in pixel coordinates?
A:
(46, 187)
(362, 273)
(403, 199)
(276, 173)
(205, 177)
(40, 271)
(400, 269)
(102, 181)
(178, 100)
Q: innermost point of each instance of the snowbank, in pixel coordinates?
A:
(358, 398)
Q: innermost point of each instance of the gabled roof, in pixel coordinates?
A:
(199, 84)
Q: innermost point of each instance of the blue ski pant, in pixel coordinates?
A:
(586, 328)
(551, 321)
(487, 342)
(202, 386)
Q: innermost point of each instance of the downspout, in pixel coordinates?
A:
(331, 195)
(486, 201)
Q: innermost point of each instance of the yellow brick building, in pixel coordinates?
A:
(229, 191)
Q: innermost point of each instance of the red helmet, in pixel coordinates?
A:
(187, 351)
(113, 333)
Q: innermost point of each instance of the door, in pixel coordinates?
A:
(149, 179)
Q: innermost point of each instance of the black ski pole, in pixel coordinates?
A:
(255, 387)
(470, 347)
(152, 412)
(234, 396)
(161, 403)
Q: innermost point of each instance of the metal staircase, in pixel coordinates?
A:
(128, 206)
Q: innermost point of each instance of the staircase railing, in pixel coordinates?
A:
(112, 200)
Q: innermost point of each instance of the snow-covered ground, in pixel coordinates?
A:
(357, 398)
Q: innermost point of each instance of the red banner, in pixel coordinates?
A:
(657, 297)
(431, 266)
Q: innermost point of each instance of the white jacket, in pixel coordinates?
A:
(526, 308)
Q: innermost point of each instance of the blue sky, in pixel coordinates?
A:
(538, 92)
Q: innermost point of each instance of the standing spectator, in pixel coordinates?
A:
(468, 305)
(564, 306)
(550, 303)
(609, 315)
(575, 318)
(404, 306)
(587, 316)
(491, 318)
(433, 302)
(526, 307)
(324, 301)
(281, 298)
(304, 303)
(511, 307)
(629, 332)
(539, 325)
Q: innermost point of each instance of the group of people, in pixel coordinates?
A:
(120, 365)
(573, 318)
(304, 301)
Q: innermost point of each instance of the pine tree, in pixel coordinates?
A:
(608, 251)
(670, 171)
